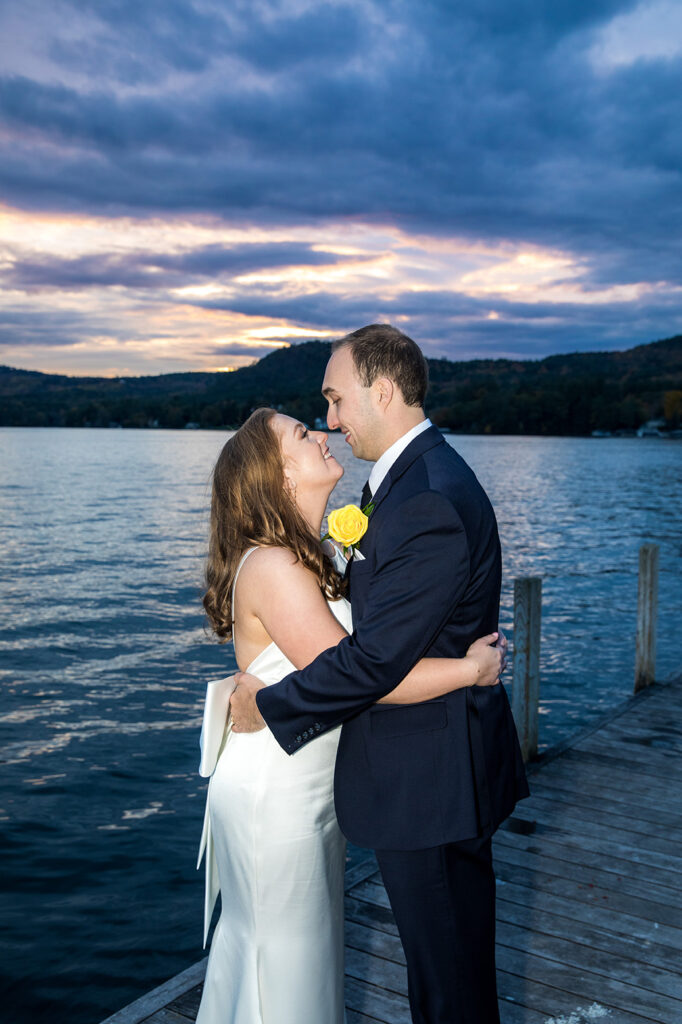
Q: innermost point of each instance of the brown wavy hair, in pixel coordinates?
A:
(251, 507)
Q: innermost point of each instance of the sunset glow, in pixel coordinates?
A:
(197, 194)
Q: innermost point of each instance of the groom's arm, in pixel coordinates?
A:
(422, 569)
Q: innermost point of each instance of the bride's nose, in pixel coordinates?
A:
(320, 436)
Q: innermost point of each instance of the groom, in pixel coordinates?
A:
(424, 785)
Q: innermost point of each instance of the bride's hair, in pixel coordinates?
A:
(251, 507)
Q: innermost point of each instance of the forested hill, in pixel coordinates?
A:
(564, 394)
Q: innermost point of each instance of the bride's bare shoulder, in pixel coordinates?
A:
(274, 565)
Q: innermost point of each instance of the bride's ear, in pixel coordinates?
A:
(289, 485)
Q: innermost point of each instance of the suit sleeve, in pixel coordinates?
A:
(421, 572)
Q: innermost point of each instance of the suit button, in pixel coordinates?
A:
(298, 739)
(317, 726)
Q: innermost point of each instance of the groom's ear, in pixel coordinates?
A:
(384, 390)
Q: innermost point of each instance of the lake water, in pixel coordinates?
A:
(103, 660)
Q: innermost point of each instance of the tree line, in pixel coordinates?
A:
(570, 394)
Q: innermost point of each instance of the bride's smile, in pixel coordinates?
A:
(310, 470)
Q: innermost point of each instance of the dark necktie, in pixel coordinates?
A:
(366, 495)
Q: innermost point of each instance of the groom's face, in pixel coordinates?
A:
(351, 406)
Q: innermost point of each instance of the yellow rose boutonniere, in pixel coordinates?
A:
(348, 525)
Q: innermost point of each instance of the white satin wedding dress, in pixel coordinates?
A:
(274, 850)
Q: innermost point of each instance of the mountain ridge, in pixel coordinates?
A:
(568, 393)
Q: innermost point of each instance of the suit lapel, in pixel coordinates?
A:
(422, 443)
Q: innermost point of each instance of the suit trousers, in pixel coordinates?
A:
(443, 901)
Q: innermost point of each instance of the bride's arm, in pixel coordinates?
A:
(286, 598)
(433, 677)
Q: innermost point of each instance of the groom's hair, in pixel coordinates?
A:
(380, 350)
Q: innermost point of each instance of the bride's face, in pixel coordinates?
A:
(309, 466)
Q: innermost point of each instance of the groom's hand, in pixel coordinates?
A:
(245, 714)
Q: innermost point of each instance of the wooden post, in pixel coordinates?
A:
(526, 662)
(647, 607)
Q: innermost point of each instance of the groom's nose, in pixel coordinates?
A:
(332, 419)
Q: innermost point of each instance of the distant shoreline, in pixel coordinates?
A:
(674, 435)
(577, 395)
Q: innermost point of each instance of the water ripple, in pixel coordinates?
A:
(104, 658)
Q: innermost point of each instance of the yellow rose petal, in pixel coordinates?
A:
(347, 525)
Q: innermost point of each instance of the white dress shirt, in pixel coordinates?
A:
(382, 465)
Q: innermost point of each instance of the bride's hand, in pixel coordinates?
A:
(245, 714)
(490, 658)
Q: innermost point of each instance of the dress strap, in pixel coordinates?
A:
(246, 554)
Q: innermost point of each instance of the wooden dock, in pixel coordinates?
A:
(589, 896)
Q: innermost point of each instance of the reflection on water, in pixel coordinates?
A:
(104, 657)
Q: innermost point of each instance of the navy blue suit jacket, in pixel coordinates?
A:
(418, 775)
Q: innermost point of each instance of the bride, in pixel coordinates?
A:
(271, 833)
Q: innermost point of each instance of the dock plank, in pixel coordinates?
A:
(609, 963)
(665, 733)
(622, 770)
(594, 796)
(583, 778)
(629, 842)
(355, 1017)
(561, 851)
(584, 876)
(630, 949)
(625, 815)
(583, 910)
(368, 995)
(634, 759)
(188, 1002)
(168, 1016)
(597, 843)
(589, 891)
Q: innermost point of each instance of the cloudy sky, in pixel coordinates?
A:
(186, 185)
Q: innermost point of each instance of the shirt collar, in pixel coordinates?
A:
(383, 464)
